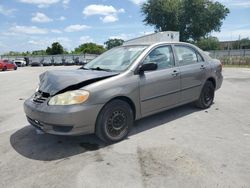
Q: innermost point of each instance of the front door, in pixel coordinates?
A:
(160, 89)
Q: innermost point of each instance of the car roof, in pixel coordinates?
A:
(155, 43)
(152, 44)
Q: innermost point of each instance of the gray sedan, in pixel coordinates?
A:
(124, 84)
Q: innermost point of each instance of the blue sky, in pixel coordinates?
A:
(35, 24)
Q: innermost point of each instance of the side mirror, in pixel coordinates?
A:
(147, 67)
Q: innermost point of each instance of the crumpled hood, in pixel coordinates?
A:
(55, 81)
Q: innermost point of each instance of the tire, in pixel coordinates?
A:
(4, 69)
(15, 68)
(207, 96)
(114, 121)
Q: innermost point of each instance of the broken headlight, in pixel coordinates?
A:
(69, 98)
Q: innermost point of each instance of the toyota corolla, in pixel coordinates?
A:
(122, 85)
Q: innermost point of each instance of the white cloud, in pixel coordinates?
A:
(75, 28)
(124, 36)
(65, 3)
(57, 31)
(99, 10)
(108, 13)
(85, 39)
(109, 18)
(61, 18)
(40, 3)
(38, 43)
(121, 10)
(33, 42)
(5, 11)
(138, 2)
(28, 30)
(41, 18)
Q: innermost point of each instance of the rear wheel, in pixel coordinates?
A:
(114, 121)
(207, 96)
(4, 68)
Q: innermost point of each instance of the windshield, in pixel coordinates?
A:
(117, 59)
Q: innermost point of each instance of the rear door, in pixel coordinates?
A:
(193, 72)
(160, 88)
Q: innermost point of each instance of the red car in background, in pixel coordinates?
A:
(7, 65)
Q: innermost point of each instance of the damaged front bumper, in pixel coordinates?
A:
(62, 120)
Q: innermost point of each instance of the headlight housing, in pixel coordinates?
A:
(70, 98)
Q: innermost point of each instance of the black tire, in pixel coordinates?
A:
(15, 68)
(114, 121)
(4, 69)
(207, 96)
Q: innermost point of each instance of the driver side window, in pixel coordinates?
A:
(162, 56)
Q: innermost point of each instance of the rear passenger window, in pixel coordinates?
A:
(162, 56)
(186, 55)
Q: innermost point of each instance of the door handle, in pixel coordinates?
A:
(175, 73)
(202, 67)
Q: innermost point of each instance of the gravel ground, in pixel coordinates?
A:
(182, 147)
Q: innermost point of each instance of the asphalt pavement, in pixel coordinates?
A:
(182, 147)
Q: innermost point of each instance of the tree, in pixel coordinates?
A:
(210, 43)
(56, 48)
(111, 43)
(11, 53)
(242, 44)
(193, 18)
(39, 52)
(90, 48)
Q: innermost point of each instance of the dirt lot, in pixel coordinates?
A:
(183, 147)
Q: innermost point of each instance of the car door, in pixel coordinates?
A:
(7, 65)
(11, 65)
(192, 72)
(159, 89)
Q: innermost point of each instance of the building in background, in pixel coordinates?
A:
(166, 36)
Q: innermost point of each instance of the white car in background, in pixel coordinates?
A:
(20, 62)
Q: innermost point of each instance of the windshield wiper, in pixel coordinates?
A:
(83, 68)
(100, 69)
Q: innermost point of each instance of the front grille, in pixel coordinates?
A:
(40, 97)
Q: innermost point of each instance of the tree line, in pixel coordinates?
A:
(86, 48)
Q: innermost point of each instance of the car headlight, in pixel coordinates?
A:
(69, 98)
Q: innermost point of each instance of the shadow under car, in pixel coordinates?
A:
(46, 147)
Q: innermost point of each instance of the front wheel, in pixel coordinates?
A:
(114, 121)
(207, 96)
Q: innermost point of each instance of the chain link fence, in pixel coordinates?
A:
(230, 53)
(232, 57)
